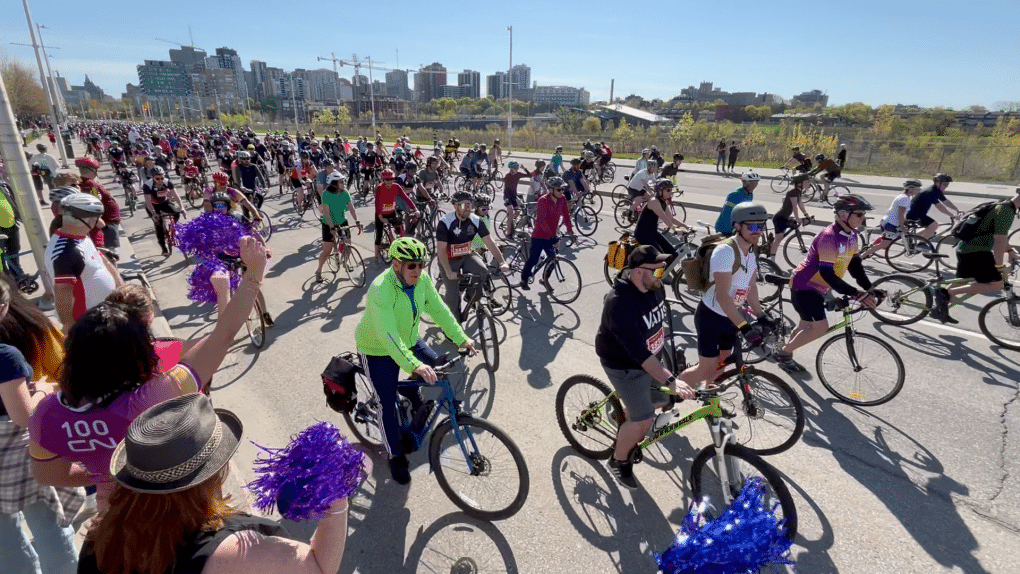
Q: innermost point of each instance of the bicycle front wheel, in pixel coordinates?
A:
(593, 200)
(679, 212)
(353, 265)
(624, 216)
(906, 253)
(589, 414)
(256, 325)
(298, 200)
(586, 220)
(876, 377)
(195, 197)
(836, 192)
(795, 247)
(1000, 322)
(906, 300)
(563, 280)
(619, 194)
(780, 184)
(499, 224)
(947, 246)
(479, 468)
(265, 228)
(741, 465)
(688, 296)
(769, 417)
(489, 338)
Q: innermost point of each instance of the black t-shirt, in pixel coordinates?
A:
(12, 366)
(458, 234)
(787, 209)
(924, 200)
(669, 171)
(159, 195)
(633, 326)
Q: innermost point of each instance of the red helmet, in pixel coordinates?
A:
(87, 163)
(220, 177)
(387, 174)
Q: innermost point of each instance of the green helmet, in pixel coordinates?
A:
(408, 249)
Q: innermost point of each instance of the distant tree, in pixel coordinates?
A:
(23, 90)
(623, 132)
(758, 113)
(324, 118)
(591, 125)
(977, 109)
(1006, 106)
(343, 116)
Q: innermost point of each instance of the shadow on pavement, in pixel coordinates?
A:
(458, 543)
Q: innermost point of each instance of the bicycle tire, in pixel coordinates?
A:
(129, 201)
(363, 420)
(589, 427)
(195, 197)
(689, 298)
(593, 200)
(1014, 239)
(897, 257)
(354, 265)
(499, 222)
(467, 495)
(299, 205)
(586, 220)
(780, 184)
(266, 227)
(835, 193)
(501, 299)
(766, 291)
(947, 245)
(795, 248)
(900, 291)
(705, 483)
(771, 420)
(609, 272)
(256, 325)
(169, 236)
(619, 194)
(562, 290)
(998, 313)
(851, 386)
(622, 214)
(809, 193)
(608, 172)
(488, 337)
(487, 190)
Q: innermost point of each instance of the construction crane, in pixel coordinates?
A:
(181, 44)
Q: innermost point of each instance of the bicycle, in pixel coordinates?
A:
(626, 216)
(9, 264)
(906, 253)
(127, 181)
(304, 197)
(590, 415)
(796, 241)
(909, 299)
(559, 275)
(347, 257)
(193, 193)
(463, 450)
(586, 217)
(170, 229)
(487, 300)
(524, 220)
(782, 183)
(836, 191)
(255, 324)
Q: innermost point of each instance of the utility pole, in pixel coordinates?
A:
(510, 95)
(46, 90)
(58, 99)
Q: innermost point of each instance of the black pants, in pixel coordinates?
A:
(159, 209)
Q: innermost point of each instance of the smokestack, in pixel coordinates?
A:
(612, 84)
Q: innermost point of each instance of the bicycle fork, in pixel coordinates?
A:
(725, 467)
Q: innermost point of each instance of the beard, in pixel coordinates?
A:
(655, 285)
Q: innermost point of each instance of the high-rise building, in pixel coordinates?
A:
(272, 81)
(258, 72)
(162, 78)
(561, 95)
(188, 56)
(470, 83)
(396, 85)
(520, 77)
(429, 82)
(229, 60)
(496, 85)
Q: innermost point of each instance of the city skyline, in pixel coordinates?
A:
(906, 57)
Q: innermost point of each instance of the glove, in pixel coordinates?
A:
(767, 324)
(879, 294)
(752, 334)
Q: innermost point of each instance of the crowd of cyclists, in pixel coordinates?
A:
(232, 171)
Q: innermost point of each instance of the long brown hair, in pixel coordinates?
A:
(140, 533)
(25, 327)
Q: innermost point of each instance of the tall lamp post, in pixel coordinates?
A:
(510, 94)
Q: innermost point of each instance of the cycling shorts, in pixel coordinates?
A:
(466, 172)
(809, 304)
(979, 266)
(510, 199)
(635, 193)
(634, 386)
(327, 234)
(781, 224)
(715, 332)
(889, 231)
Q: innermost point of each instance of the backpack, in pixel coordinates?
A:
(968, 227)
(339, 382)
(696, 269)
(618, 251)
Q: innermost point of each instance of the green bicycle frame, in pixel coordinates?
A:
(710, 410)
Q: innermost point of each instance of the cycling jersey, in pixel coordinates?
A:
(301, 171)
(73, 260)
(510, 181)
(386, 198)
(924, 200)
(724, 223)
(892, 217)
(639, 181)
(833, 248)
(160, 195)
(575, 176)
(458, 234)
(249, 175)
(370, 159)
(191, 172)
(337, 204)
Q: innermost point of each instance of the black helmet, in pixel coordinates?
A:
(748, 211)
(157, 171)
(220, 196)
(820, 156)
(482, 200)
(460, 196)
(852, 203)
(942, 178)
(911, 183)
(304, 155)
(556, 183)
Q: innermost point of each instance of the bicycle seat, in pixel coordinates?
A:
(778, 280)
(934, 255)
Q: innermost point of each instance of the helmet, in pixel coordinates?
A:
(750, 175)
(220, 196)
(82, 205)
(410, 166)
(588, 154)
(799, 178)
(820, 156)
(387, 174)
(513, 164)
(653, 148)
(663, 184)
(251, 147)
(748, 211)
(481, 147)
(333, 178)
(556, 183)
(243, 155)
(482, 200)
(644, 151)
(157, 171)
(304, 155)
(911, 183)
(942, 178)
(59, 193)
(220, 177)
(852, 203)
(327, 162)
(460, 196)
(559, 148)
(495, 142)
(408, 249)
(87, 163)
(150, 157)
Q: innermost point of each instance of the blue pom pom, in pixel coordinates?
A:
(744, 539)
(302, 479)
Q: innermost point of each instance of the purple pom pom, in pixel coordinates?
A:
(201, 288)
(211, 234)
(747, 537)
(302, 479)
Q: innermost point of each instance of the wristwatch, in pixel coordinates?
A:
(671, 381)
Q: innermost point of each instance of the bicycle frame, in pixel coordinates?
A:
(711, 411)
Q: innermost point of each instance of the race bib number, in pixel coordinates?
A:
(161, 194)
(460, 250)
(389, 207)
(656, 341)
(740, 296)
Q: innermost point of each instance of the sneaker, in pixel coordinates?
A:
(43, 202)
(624, 473)
(524, 286)
(166, 253)
(421, 415)
(399, 470)
(941, 311)
(923, 248)
(267, 319)
(319, 279)
(786, 363)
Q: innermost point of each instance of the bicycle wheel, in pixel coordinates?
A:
(353, 265)
(687, 296)
(835, 193)
(780, 184)
(906, 300)
(623, 215)
(256, 325)
(619, 194)
(299, 203)
(488, 337)
(479, 468)
(608, 172)
(129, 201)
(593, 200)
(501, 299)
(586, 220)
(170, 234)
(609, 272)
(265, 228)
(796, 245)
(589, 414)
(499, 222)
(563, 280)
(947, 246)
(769, 416)
(1000, 322)
(195, 197)
(679, 212)
(906, 253)
(809, 193)
(363, 420)
(741, 465)
(1014, 239)
(487, 190)
(876, 380)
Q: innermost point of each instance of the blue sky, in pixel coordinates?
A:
(931, 53)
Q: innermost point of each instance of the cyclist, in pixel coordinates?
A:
(223, 203)
(732, 271)
(513, 176)
(88, 168)
(605, 154)
(538, 177)
(587, 161)
(802, 161)
(454, 234)
(832, 253)
(160, 198)
(482, 204)
(388, 340)
(353, 162)
(928, 197)
(628, 343)
(895, 219)
(495, 155)
(467, 166)
(550, 211)
(641, 163)
(786, 217)
(370, 161)
(430, 175)
(284, 162)
(673, 169)
(655, 155)
(189, 175)
(221, 185)
(748, 181)
(658, 208)
(302, 177)
(247, 175)
(449, 151)
(641, 183)
(827, 172)
(336, 205)
(386, 194)
(979, 259)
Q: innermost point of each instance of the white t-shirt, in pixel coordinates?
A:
(722, 261)
(893, 216)
(640, 180)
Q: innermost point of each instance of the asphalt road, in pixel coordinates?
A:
(926, 483)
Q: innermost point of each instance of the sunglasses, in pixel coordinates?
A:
(412, 266)
(483, 209)
(219, 205)
(754, 227)
(860, 213)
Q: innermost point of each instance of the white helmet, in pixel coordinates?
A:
(750, 175)
(333, 178)
(82, 205)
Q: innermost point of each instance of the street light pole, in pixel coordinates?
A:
(510, 94)
(42, 77)
(58, 99)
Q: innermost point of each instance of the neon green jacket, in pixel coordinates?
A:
(390, 328)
